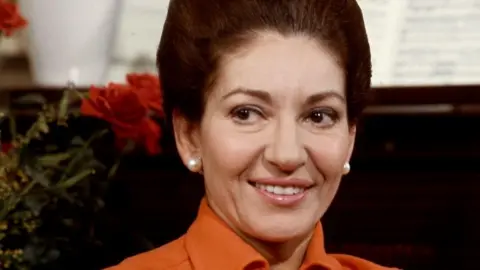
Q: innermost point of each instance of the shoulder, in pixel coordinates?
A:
(171, 256)
(352, 262)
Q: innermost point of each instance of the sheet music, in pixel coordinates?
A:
(140, 27)
(422, 42)
(382, 20)
(434, 42)
(437, 41)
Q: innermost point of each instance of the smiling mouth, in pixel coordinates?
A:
(279, 190)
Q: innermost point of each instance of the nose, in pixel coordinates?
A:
(285, 150)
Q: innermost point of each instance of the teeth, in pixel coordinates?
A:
(280, 190)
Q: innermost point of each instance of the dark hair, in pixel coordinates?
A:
(197, 33)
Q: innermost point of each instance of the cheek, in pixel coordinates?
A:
(227, 152)
(329, 153)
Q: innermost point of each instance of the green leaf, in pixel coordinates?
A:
(75, 179)
(94, 164)
(15, 231)
(78, 94)
(36, 202)
(51, 255)
(42, 124)
(51, 148)
(36, 129)
(63, 105)
(29, 99)
(37, 176)
(82, 153)
(99, 203)
(2, 236)
(9, 205)
(13, 126)
(113, 170)
(53, 159)
(41, 177)
(33, 252)
(77, 141)
(127, 148)
(22, 214)
(68, 222)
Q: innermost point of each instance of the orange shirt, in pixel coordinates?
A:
(210, 244)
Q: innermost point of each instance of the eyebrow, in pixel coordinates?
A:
(315, 98)
(266, 97)
(262, 95)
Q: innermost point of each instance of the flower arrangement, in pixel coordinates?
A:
(54, 176)
(10, 18)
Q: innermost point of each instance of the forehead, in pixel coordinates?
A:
(282, 64)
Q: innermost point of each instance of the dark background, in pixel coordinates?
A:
(411, 200)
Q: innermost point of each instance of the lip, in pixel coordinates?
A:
(284, 182)
(282, 200)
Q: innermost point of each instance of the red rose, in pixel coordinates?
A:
(5, 147)
(10, 18)
(148, 88)
(124, 109)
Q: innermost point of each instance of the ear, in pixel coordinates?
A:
(187, 137)
(351, 141)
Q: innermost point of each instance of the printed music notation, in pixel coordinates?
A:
(424, 42)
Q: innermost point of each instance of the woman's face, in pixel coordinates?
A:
(274, 137)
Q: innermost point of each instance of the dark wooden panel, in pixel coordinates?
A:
(455, 94)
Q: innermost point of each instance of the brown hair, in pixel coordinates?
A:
(198, 32)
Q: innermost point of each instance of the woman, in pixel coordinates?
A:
(263, 96)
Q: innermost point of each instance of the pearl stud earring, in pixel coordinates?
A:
(195, 165)
(346, 168)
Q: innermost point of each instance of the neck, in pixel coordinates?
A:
(283, 256)
(287, 255)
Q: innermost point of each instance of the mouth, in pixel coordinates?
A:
(280, 190)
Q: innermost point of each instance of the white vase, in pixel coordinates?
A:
(70, 34)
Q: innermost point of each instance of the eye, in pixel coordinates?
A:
(322, 117)
(246, 115)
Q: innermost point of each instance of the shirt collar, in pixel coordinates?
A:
(316, 255)
(211, 244)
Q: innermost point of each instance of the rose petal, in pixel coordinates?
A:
(151, 134)
(10, 18)
(125, 107)
(6, 147)
(94, 92)
(126, 131)
(88, 108)
(148, 88)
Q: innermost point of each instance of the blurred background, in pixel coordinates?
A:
(412, 199)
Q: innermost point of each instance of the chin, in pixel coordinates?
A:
(277, 231)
